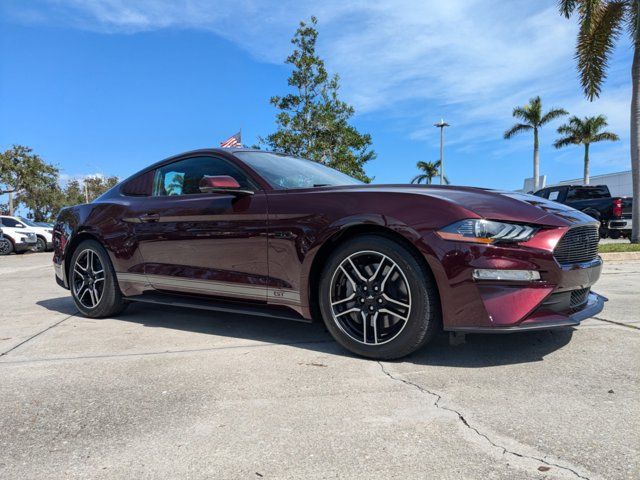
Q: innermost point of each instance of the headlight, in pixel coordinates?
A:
(486, 231)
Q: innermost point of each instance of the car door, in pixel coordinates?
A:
(204, 243)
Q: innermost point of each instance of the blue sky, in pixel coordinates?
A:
(109, 86)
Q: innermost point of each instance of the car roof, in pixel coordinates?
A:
(579, 186)
(200, 151)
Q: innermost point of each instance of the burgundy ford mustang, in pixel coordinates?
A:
(385, 266)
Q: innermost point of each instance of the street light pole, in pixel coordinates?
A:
(441, 125)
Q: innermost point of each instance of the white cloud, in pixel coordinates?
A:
(64, 178)
(468, 60)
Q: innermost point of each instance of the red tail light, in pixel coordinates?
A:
(617, 207)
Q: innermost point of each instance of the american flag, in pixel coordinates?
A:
(233, 141)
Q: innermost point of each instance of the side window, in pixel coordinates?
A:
(183, 177)
(542, 193)
(553, 195)
(576, 194)
(10, 222)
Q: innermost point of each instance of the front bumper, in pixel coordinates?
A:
(24, 245)
(594, 306)
(560, 297)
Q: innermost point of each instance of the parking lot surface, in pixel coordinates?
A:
(167, 393)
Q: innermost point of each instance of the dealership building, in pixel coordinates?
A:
(619, 183)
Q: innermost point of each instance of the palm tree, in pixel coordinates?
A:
(601, 22)
(533, 118)
(429, 170)
(584, 131)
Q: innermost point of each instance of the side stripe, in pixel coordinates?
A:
(210, 286)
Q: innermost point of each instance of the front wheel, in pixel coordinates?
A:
(6, 247)
(378, 299)
(93, 282)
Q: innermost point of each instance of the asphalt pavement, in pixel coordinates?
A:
(165, 393)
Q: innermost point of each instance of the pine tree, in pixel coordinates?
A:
(313, 122)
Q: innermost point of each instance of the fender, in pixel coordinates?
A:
(330, 236)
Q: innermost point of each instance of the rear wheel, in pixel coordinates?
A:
(377, 299)
(93, 283)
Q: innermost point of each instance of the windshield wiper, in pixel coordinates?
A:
(321, 185)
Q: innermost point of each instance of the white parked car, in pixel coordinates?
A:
(43, 232)
(22, 237)
(5, 243)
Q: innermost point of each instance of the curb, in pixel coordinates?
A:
(620, 256)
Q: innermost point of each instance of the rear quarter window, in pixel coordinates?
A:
(139, 186)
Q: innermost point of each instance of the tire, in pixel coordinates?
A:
(41, 245)
(394, 288)
(592, 213)
(614, 234)
(95, 294)
(6, 246)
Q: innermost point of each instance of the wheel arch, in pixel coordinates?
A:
(592, 212)
(345, 234)
(39, 235)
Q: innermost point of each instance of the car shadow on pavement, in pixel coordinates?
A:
(486, 350)
(60, 304)
(476, 352)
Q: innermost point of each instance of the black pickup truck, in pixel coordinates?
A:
(614, 213)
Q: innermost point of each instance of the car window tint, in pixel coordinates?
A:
(140, 185)
(183, 177)
(554, 194)
(542, 193)
(10, 222)
(586, 193)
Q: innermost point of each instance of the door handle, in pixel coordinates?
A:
(149, 217)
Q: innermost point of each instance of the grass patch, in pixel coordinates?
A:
(618, 247)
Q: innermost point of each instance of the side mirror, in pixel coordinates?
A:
(20, 225)
(222, 184)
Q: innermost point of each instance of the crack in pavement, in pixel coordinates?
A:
(504, 450)
(38, 334)
(620, 273)
(617, 323)
(164, 352)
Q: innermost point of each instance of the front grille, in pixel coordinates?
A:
(578, 245)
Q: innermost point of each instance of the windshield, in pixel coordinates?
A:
(284, 172)
(28, 222)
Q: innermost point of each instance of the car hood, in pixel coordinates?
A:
(496, 205)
